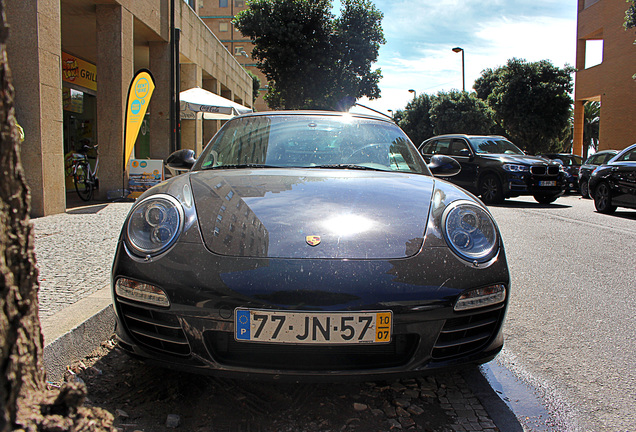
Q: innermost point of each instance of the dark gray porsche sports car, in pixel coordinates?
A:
(310, 244)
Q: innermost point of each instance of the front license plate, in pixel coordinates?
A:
(255, 325)
(547, 183)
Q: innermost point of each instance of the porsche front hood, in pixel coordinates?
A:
(312, 213)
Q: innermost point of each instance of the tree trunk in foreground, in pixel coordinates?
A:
(25, 404)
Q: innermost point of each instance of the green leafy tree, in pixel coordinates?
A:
(630, 19)
(459, 112)
(630, 15)
(415, 119)
(563, 143)
(310, 58)
(256, 86)
(530, 101)
(591, 126)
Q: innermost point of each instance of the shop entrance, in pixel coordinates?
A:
(80, 120)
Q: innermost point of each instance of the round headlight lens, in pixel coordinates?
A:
(154, 224)
(470, 231)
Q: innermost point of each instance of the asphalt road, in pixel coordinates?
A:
(570, 329)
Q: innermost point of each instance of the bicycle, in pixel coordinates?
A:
(84, 178)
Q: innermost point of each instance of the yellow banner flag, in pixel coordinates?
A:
(139, 93)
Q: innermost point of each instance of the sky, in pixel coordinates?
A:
(420, 36)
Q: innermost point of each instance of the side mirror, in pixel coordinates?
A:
(181, 160)
(444, 166)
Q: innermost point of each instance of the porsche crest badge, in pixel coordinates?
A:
(313, 240)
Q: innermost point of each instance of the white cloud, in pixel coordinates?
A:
(421, 33)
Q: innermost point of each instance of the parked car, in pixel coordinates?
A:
(496, 169)
(310, 244)
(571, 165)
(589, 166)
(614, 184)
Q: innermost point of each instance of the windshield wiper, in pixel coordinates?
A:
(240, 166)
(347, 166)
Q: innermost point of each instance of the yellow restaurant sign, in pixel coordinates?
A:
(79, 72)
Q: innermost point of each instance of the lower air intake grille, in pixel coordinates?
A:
(227, 351)
(467, 334)
(154, 328)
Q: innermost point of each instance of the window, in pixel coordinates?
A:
(593, 52)
(458, 148)
(223, 3)
(239, 3)
(630, 156)
(223, 26)
(239, 50)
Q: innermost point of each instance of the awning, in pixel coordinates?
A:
(212, 106)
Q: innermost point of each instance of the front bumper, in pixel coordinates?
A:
(516, 184)
(196, 332)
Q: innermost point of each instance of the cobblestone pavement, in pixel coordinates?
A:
(143, 397)
(74, 252)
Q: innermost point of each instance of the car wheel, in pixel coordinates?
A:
(545, 199)
(584, 188)
(603, 199)
(490, 190)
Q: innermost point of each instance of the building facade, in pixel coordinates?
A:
(610, 82)
(72, 62)
(218, 14)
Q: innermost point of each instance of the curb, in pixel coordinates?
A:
(76, 331)
(496, 408)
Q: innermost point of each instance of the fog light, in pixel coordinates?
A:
(141, 292)
(481, 297)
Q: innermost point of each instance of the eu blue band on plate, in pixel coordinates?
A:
(243, 324)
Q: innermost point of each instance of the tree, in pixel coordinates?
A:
(591, 126)
(310, 58)
(415, 119)
(256, 86)
(630, 19)
(530, 101)
(459, 112)
(24, 402)
(630, 15)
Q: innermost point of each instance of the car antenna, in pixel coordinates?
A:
(375, 111)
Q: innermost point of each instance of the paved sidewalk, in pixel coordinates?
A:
(74, 252)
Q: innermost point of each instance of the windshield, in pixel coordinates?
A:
(495, 146)
(311, 141)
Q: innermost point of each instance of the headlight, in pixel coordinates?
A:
(470, 231)
(154, 224)
(516, 168)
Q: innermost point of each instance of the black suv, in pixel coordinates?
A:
(496, 169)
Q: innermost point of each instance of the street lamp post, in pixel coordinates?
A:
(414, 94)
(456, 50)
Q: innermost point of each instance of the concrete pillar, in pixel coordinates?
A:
(34, 52)
(159, 108)
(579, 122)
(210, 127)
(115, 65)
(191, 130)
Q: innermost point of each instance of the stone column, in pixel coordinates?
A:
(210, 127)
(34, 53)
(191, 130)
(115, 66)
(579, 123)
(159, 108)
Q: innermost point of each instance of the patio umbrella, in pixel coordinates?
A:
(214, 107)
